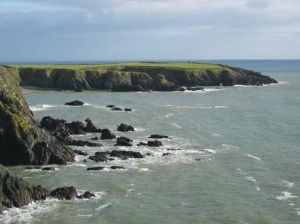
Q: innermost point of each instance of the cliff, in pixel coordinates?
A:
(22, 142)
(138, 76)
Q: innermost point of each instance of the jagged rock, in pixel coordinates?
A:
(107, 134)
(22, 142)
(117, 167)
(67, 193)
(100, 157)
(126, 154)
(116, 109)
(76, 128)
(95, 168)
(81, 153)
(75, 103)
(123, 141)
(127, 109)
(86, 195)
(125, 128)
(90, 127)
(159, 136)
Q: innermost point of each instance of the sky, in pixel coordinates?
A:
(104, 30)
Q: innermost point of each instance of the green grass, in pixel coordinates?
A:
(175, 65)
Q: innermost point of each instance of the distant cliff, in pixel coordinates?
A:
(139, 77)
(21, 140)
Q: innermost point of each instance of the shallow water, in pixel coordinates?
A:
(246, 142)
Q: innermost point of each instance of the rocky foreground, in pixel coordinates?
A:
(139, 77)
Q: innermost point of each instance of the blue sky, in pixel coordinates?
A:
(80, 30)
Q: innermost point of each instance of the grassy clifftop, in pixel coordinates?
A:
(137, 76)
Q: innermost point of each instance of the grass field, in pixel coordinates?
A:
(176, 65)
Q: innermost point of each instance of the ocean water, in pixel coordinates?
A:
(239, 160)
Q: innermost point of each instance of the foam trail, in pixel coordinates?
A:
(285, 195)
(254, 157)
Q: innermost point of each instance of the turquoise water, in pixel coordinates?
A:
(246, 141)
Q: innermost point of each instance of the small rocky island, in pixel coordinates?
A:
(24, 141)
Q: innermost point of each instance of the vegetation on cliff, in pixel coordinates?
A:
(137, 76)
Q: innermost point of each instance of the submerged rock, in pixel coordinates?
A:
(111, 106)
(48, 168)
(151, 143)
(117, 167)
(125, 128)
(117, 109)
(107, 134)
(75, 103)
(126, 154)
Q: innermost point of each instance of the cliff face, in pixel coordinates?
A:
(22, 142)
(139, 78)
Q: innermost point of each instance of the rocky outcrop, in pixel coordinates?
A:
(140, 78)
(74, 103)
(22, 142)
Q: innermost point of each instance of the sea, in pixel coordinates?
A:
(235, 155)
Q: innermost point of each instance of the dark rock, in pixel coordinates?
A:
(117, 167)
(111, 106)
(48, 168)
(22, 141)
(154, 143)
(16, 192)
(75, 103)
(76, 128)
(126, 154)
(142, 144)
(181, 88)
(125, 128)
(158, 136)
(195, 88)
(100, 157)
(123, 141)
(198, 159)
(107, 134)
(127, 109)
(67, 193)
(86, 195)
(167, 154)
(173, 149)
(52, 124)
(81, 153)
(116, 109)
(90, 127)
(95, 138)
(95, 168)
(33, 167)
(83, 143)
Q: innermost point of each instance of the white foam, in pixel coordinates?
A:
(101, 207)
(42, 107)
(257, 188)
(288, 183)
(254, 157)
(250, 178)
(176, 125)
(285, 195)
(169, 115)
(27, 213)
(212, 151)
